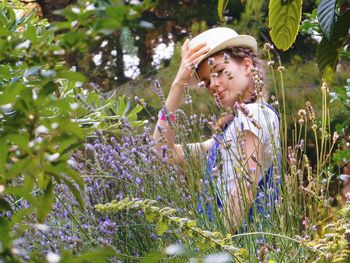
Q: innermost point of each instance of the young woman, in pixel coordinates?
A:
(226, 64)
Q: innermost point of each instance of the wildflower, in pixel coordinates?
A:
(214, 75)
(140, 102)
(281, 68)
(228, 74)
(302, 113)
(211, 61)
(270, 63)
(188, 99)
(274, 100)
(192, 66)
(257, 78)
(324, 87)
(245, 110)
(52, 257)
(226, 58)
(310, 110)
(175, 249)
(201, 84)
(159, 90)
(335, 136)
(268, 46)
(217, 100)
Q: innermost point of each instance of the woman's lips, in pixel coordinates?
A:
(220, 93)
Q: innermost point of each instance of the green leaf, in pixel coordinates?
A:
(161, 227)
(329, 50)
(99, 255)
(21, 140)
(284, 22)
(135, 110)
(71, 75)
(107, 24)
(221, 8)
(10, 93)
(47, 89)
(326, 16)
(73, 38)
(30, 71)
(45, 204)
(4, 205)
(74, 191)
(121, 106)
(5, 239)
(153, 257)
(3, 155)
(20, 215)
(150, 216)
(21, 166)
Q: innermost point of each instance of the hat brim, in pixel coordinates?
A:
(238, 41)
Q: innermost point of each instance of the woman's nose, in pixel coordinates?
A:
(214, 82)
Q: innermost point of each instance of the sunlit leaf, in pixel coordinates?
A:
(47, 89)
(45, 203)
(3, 155)
(284, 22)
(10, 93)
(21, 140)
(97, 255)
(161, 227)
(221, 8)
(326, 16)
(71, 75)
(154, 257)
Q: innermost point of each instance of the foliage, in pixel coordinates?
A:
(284, 19)
(44, 116)
(65, 146)
(330, 48)
(164, 219)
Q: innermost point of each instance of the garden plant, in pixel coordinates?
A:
(81, 181)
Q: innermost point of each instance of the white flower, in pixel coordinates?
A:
(218, 258)
(52, 257)
(73, 106)
(41, 129)
(76, 10)
(97, 59)
(24, 44)
(47, 73)
(174, 249)
(42, 227)
(52, 157)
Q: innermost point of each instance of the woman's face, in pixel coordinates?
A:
(231, 81)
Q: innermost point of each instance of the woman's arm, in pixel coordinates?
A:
(241, 193)
(163, 129)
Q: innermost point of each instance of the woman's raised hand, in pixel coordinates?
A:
(189, 58)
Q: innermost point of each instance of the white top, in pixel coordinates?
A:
(263, 122)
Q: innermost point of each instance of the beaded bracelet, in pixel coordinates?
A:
(162, 117)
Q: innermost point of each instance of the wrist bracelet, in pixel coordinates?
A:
(162, 117)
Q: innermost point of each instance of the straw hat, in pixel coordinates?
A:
(218, 39)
